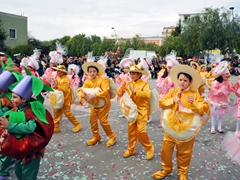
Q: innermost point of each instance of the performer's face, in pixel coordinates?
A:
(183, 81)
(135, 76)
(17, 100)
(92, 72)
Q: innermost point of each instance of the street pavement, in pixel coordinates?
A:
(68, 157)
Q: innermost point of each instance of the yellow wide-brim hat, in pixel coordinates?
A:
(203, 65)
(196, 78)
(60, 68)
(196, 64)
(100, 68)
(139, 69)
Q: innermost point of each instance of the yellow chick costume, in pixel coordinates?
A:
(100, 114)
(179, 122)
(63, 84)
(137, 129)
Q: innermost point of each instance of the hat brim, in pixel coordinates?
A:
(59, 69)
(138, 71)
(100, 68)
(196, 78)
(196, 64)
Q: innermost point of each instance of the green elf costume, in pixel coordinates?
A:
(27, 129)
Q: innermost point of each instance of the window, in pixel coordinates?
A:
(12, 34)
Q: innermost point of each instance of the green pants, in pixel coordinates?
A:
(28, 171)
(6, 165)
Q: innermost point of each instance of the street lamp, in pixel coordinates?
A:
(115, 34)
(232, 8)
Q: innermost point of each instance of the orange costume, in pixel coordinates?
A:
(98, 113)
(137, 129)
(181, 121)
(63, 84)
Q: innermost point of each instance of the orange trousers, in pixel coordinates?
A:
(184, 154)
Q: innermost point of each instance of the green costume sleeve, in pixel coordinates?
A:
(3, 110)
(22, 128)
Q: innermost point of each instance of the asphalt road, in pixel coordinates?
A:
(68, 157)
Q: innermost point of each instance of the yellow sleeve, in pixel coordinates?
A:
(167, 100)
(199, 106)
(145, 92)
(105, 89)
(64, 85)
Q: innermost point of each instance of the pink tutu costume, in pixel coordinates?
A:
(218, 97)
(231, 144)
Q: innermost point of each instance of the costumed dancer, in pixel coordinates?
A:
(183, 110)
(27, 129)
(164, 82)
(73, 71)
(218, 95)
(236, 107)
(55, 59)
(99, 100)
(62, 83)
(7, 79)
(139, 91)
(124, 77)
(85, 76)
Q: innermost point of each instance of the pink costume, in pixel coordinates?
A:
(85, 77)
(164, 85)
(33, 72)
(123, 77)
(231, 144)
(49, 74)
(218, 97)
(74, 82)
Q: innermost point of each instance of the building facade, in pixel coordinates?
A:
(16, 29)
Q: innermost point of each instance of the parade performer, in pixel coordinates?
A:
(231, 144)
(140, 93)
(183, 109)
(218, 95)
(164, 82)
(62, 83)
(124, 77)
(55, 59)
(7, 79)
(236, 107)
(73, 71)
(27, 129)
(99, 101)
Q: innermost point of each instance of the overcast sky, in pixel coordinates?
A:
(50, 19)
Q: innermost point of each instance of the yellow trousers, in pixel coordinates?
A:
(57, 116)
(137, 130)
(100, 114)
(184, 154)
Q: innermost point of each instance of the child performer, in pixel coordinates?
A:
(183, 109)
(95, 70)
(62, 83)
(26, 131)
(236, 108)
(73, 71)
(124, 76)
(140, 93)
(164, 82)
(7, 79)
(218, 95)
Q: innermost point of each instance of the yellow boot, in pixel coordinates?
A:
(161, 174)
(111, 141)
(57, 128)
(93, 141)
(77, 128)
(150, 153)
(129, 153)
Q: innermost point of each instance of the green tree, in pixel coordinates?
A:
(3, 36)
